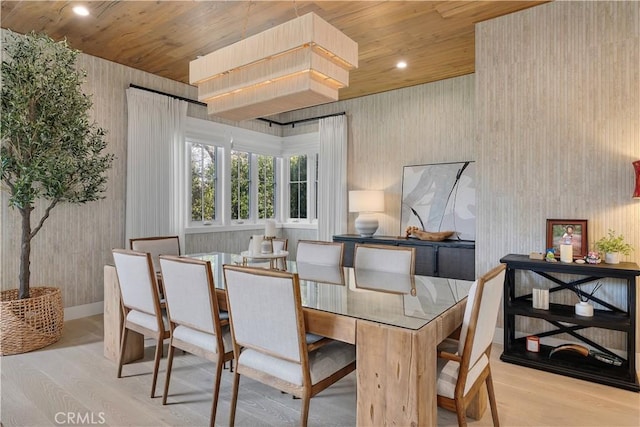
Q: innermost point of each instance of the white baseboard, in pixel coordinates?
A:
(85, 310)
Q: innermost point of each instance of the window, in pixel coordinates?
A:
(241, 177)
(240, 185)
(266, 186)
(204, 168)
(298, 187)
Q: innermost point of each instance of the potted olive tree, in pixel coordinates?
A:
(613, 245)
(51, 153)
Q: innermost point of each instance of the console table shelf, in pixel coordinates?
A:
(570, 365)
(454, 259)
(564, 319)
(566, 313)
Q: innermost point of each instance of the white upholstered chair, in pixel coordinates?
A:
(463, 366)
(319, 252)
(156, 246)
(389, 259)
(140, 303)
(268, 330)
(192, 308)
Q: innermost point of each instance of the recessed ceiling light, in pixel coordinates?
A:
(401, 64)
(81, 10)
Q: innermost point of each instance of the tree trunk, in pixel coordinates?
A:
(25, 252)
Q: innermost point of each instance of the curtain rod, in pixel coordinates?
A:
(271, 122)
(294, 122)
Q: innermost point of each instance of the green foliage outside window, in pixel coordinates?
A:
(298, 187)
(203, 182)
(240, 184)
(266, 186)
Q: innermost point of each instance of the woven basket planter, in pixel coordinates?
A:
(31, 323)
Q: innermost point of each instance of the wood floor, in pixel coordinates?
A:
(71, 383)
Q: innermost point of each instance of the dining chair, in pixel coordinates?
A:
(156, 246)
(463, 365)
(268, 330)
(140, 303)
(389, 259)
(194, 317)
(320, 252)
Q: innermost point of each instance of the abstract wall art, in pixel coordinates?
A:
(440, 197)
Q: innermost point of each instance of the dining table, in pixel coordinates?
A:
(396, 322)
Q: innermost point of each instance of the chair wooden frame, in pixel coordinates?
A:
(386, 248)
(307, 390)
(219, 358)
(160, 335)
(321, 242)
(461, 401)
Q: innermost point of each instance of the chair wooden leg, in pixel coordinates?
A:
(492, 401)
(460, 412)
(123, 340)
(234, 398)
(168, 377)
(156, 364)
(304, 411)
(216, 393)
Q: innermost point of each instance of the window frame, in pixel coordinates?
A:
(226, 138)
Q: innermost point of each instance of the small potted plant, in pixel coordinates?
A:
(613, 245)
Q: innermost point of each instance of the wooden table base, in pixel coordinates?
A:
(113, 319)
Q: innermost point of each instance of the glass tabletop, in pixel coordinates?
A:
(406, 301)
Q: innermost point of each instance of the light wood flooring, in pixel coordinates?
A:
(71, 379)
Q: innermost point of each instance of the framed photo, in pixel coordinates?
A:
(573, 229)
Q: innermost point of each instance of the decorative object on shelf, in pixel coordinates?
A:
(613, 245)
(566, 246)
(533, 344)
(583, 307)
(540, 298)
(440, 197)
(266, 247)
(366, 203)
(53, 153)
(269, 229)
(593, 258)
(550, 256)
(298, 64)
(570, 233)
(439, 236)
(255, 245)
(581, 350)
(636, 191)
(536, 255)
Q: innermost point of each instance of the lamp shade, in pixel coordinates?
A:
(298, 64)
(366, 201)
(636, 191)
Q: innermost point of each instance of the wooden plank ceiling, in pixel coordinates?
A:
(435, 38)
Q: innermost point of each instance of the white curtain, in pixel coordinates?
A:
(156, 175)
(332, 177)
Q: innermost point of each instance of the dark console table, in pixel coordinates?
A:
(564, 319)
(454, 259)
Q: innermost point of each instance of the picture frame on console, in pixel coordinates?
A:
(574, 229)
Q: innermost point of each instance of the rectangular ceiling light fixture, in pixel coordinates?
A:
(298, 64)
